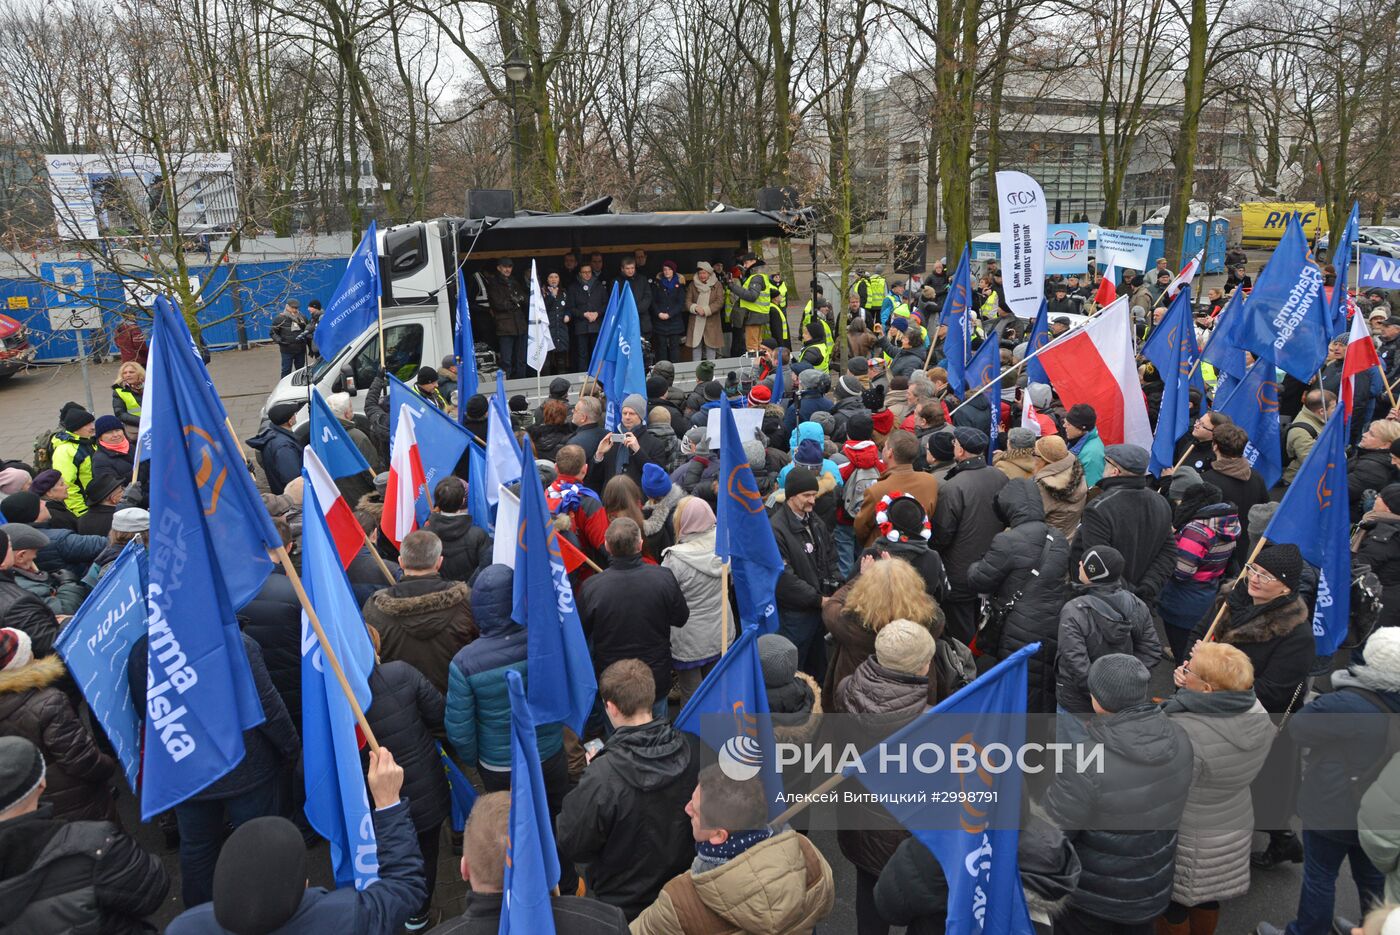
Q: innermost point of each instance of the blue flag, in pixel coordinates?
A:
(1038, 338)
(729, 711)
(1252, 404)
(354, 305)
(1223, 350)
(464, 346)
(1341, 262)
(460, 788)
(1172, 350)
(331, 443)
(1314, 516)
(477, 504)
(1286, 318)
(441, 439)
(778, 380)
(96, 644)
(623, 371)
(743, 534)
(562, 683)
(337, 805)
(957, 310)
(532, 860)
(606, 332)
(210, 535)
(978, 857)
(984, 368)
(502, 451)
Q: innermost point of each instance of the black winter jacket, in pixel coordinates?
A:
(641, 293)
(1137, 521)
(279, 454)
(628, 611)
(1122, 820)
(1380, 548)
(1368, 472)
(405, 714)
(548, 439)
(809, 561)
(21, 610)
(273, 619)
(965, 520)
(626, 818)
(110, 888)
(587, 297)
(465, 545)
(1023, 573)
(1277, 637)
(1100, 619)
(670, 302)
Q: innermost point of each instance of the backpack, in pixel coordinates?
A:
(853, 496)
(43, 450)
(1288, 430)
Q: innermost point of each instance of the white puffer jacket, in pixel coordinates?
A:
(697, 571)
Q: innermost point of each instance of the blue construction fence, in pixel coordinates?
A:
(265, 286)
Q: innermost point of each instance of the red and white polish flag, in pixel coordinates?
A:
(340, 519)
(406, 479)
(1096, 364)
(1360, 356)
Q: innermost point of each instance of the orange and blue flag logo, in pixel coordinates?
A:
(212, 473)
(746, 496)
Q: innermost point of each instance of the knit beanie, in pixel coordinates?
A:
(656, 483)
(656, 386)
(882, 421)
(760, 395)
(704, 371)
(758, 457)
(637, 403)
(1183, 478)
(75, 417)
(858, 366)
(13, 480)
(847, 386)
(1390, 493)
(21, 771)
(1082, 417)
(904, 646)
(1020, 439)
(1118, 682)
(1284, 562)
(20, 508)
(427, 375)
(799, 480)
(16, 649)
(808, 455)
(940, 446)
(107, 424)
(44, 481)
(1103, 563)
(787, 693)
(827, 422)
(476, 407)
(1382, 654)
(810, 380)
(859, 427)
(260, 877)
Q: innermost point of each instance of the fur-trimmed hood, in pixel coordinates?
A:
(1270, 621)
(40, 673)
(449, 594)
(1061, 479)
(800, 728)
(661, 511)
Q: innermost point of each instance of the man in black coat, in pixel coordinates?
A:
(628, 609)
(626, 817)
(1132, 518)
(587, 301)
(507, 298)
(67, 875)
(809, 575)
(277, 447)
(1228, 469)
(641, 292)
(1122, 819)
(466, 546)
(637, 448)
(964, 524)
(588, 421)
(21, 609)
(484, 847)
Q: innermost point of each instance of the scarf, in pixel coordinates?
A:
(709, 856)
(694, 516)
(120, 449)
(1238, 468)
(702, 290)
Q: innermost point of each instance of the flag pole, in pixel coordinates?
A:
(1210, 633)
(814, 796)
(724, 609)
(378, 559)
(280, 555)
(382, 362)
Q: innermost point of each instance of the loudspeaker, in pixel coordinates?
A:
(490, 203)
(778, 199)
(910, 253)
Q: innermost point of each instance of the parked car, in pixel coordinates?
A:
(1383, 241)
(15, 351)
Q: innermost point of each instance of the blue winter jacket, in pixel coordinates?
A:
(478, 703)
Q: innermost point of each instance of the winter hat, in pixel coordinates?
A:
(906, 518)
(883, 421)
(1082, 417)
(23, 536)
(799, 480)
(858, 366)
(427, 375)
(656, 386)
(260, 877)
(134, 519)
(13, 480)
(1260, 516)
(518, 403)
(787, 693)
(712, 391)
(873, 398)
(704, 371)
(1283, 561)
(637, 403)
(1382, 654)
(847, 386)
(656, 483)
(757, 455)
(76, 417)
(808, 455)
(903, 646)
(282, 413)
(695, 439)
(1118, 682)
(16, 649)
(44, 481)
(1051, 448)
(1103, 563)
(381, 482)
(1183, 478)
(102, 486)
(859, 427)
(1020, 438)
(900, 324)
(827, 422)
(810, 379)
(558, 388)
(760, 395)
(1131, 458)
(665, 370)
(476, 407)
(21, 771)
(1039, 394)
(20, 508)
(973, 441)
(1390, 493)
(107, 424)
(940, 446)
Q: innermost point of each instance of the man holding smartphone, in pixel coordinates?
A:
(627, 450)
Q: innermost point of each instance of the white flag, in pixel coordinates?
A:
(1028, 419)
(1022, 212)
(541, 343)
(507, 517)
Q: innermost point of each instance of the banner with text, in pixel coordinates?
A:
(1379, 272)
(1067, 249)
(1021, 205)
(1122, 250)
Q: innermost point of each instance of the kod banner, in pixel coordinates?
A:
(1379, 272)
(1067, 249)
(1021, 204)
(1122, 250)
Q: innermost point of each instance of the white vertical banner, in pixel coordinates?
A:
(1021, 207)
(540, 341)
(507, 520)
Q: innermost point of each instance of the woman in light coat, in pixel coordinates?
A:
(696, 647)
(704, 301)
(1060, 477)
(1231, 734)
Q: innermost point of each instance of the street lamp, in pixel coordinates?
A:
(517, 70)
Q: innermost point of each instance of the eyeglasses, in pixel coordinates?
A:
(1259, 574)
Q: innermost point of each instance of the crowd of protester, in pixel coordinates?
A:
(917, 554)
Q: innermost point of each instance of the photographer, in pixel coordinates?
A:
(631, 448)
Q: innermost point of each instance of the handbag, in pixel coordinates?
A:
(994, 614)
